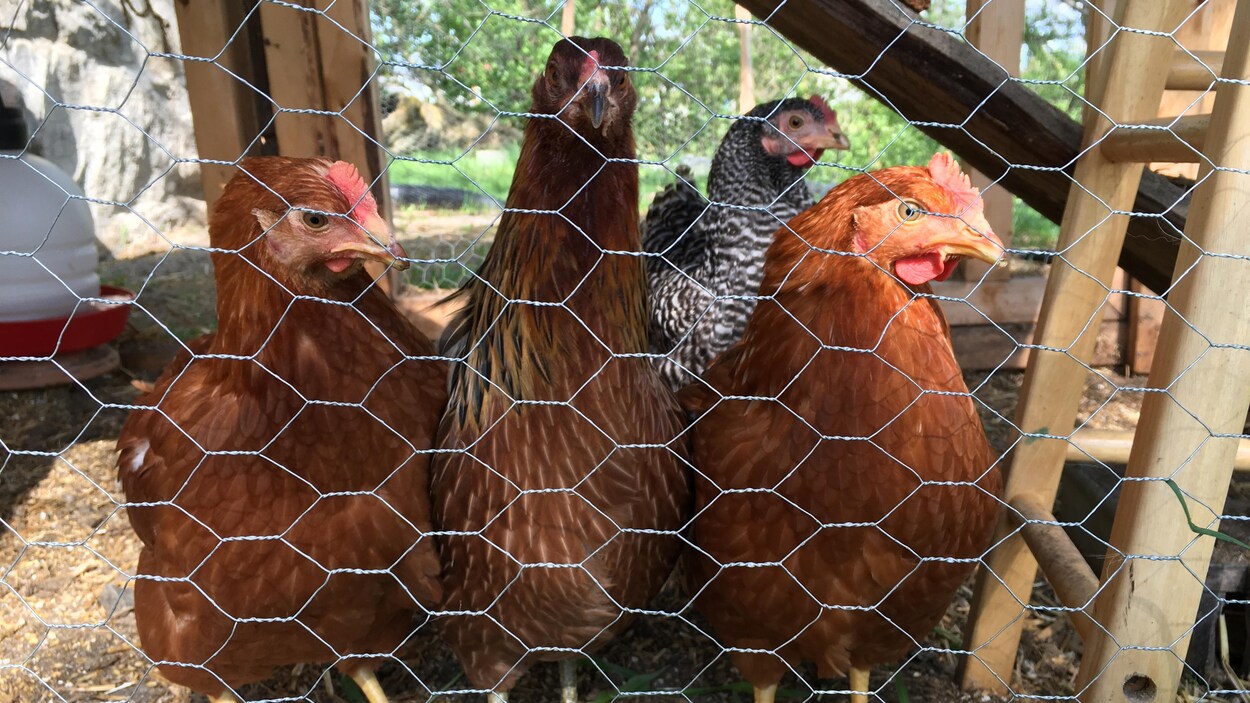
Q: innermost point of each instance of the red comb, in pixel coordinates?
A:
(830, 115)
(591, 63)
(946, 173)
(346, 178)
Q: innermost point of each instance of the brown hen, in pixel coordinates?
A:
(567, 438)
(290, 452)
(847, 489)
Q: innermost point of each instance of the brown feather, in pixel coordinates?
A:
(546, 487)
(291, 491)
(851, 446)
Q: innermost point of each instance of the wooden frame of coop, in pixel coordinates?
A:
(280, 78)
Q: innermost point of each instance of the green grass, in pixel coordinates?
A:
(490, 170)
(1031, 229)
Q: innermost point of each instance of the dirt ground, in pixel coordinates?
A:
(66, 549)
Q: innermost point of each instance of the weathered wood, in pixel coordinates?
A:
(1076, 294)
(1112, 447)
(1177, 139)
(996, 28)
(225, 92)
(1150, 602)
(1145, 316)
(1195, 70)
(68, 368)
(933, 76)
(1006, 302)
(1065, 568)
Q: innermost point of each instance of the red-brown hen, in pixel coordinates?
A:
(843, 503)
(290, 451)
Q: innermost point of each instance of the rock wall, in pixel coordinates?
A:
(104, 108)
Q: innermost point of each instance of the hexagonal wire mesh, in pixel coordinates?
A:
(824, 527)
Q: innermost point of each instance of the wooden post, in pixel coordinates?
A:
(1145, 317)
(1076, 293)
(1148, 600)
(746, 72)
(316, 64)
(228, 114)
(1064, 565)
(997, 29)
(568, 18)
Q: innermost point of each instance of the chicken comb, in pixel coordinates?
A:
(947, 174)
(589, 66)
(830, 115)
(346, 178)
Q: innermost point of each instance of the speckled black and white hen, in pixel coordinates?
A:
(704, 283)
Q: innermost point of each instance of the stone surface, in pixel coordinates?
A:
(102, 107)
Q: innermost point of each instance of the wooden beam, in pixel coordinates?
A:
(1195, 72)
(1065, 568)
(1076, 293)
(1153, 575)
(225, 90)
(933, 76)
(1174, 139)
(996, 27)
(1114, 447)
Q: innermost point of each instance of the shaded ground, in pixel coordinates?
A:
(66, 625)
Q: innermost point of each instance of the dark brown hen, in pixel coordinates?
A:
(843, 503)
(568, 440)
(291, 451)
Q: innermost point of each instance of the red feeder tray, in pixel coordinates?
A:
(90, 325)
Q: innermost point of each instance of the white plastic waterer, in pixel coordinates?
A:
(47, 238)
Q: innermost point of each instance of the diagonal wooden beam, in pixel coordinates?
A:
(931, 75)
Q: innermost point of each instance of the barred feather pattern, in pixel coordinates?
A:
(706, 275)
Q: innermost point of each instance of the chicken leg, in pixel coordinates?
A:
(368, 684)
(568, 681)
(766, 695)
(859, 682)
(497, 697)
(226, 697)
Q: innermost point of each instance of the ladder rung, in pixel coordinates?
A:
(1181, 141)
(1195, 72)
(1113, 447)
(1066, 570)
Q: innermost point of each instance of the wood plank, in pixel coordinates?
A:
(294, 61)
(1146, 602)
(1145, 317)
(996, 28)
(1171, 139)
(1076, 292)
(933, 76)
(228, 114)
(1205, 30)
(1113, 447)
(1012, 301)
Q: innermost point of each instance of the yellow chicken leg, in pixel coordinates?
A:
(497, 697)
(766, 695)
(368, 684)
(226, 697)
(859, 682)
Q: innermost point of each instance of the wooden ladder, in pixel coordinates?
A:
(1135, 621)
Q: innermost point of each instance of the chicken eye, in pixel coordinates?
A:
(909, 210)
(620, 79)
(796, 121)
(316, 221)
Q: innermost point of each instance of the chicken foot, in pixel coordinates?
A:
(497, 697)
(568, 681)
(859, 682)
(766, 694)
(368, 684)
(226, 697)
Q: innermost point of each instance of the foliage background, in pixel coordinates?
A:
(478, 59)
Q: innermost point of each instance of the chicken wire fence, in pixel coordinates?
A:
(69, 631)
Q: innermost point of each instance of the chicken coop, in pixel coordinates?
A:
(657, 350)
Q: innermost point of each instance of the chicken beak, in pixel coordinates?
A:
(830, 138)
(367, 246)
(983, 246)
(598, 98)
